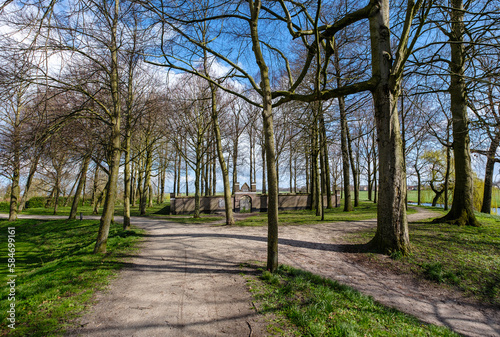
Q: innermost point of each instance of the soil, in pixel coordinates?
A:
(188, 280)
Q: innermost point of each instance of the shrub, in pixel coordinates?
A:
(36, 202)
(4, 207)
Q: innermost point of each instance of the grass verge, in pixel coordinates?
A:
(467, 258)
(87, 210)
(321, 307)
(366, 210)
(57, 273)
(188, 219)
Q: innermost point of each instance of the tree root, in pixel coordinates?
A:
(465, 218)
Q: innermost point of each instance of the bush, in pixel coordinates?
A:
(36, 202)
(4, 207)
(39, 202)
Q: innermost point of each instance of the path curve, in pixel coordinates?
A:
(186, 281)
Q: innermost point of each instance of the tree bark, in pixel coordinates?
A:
(462, 210)
(267, 116)
(15, 190)
(353, 166)
(31, 174)
(263, 153)
(326, 161)
(57, 191)
(345, 156)
(392, 226)
(147, 179)
(228, 204)
(235, 163)
(79, 188)
(488, 174)
(115, 117)
(127, 179)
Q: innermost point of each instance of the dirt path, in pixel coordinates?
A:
(186, 281)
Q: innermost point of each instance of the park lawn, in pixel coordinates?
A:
(186, 219)
(316, 306)
(366, 210)
(57, 273)
(87, 210)
(466, 258)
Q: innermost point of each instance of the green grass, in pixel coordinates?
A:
(57, 272)
(366, 210)
(87, 210)
(188, 219)
(322, 307)
(467, 258)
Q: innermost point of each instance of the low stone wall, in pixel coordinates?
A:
(244, 202)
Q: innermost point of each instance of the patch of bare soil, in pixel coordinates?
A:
(187, 280)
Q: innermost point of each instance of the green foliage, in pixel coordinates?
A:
(36, 202)
(57, 273)
(4, 207)
(321, 307)
(41, 202)
(436, 272)
(478, 191)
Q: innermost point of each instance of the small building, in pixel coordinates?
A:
(245, 200)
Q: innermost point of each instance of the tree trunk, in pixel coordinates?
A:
(15, 190)
(290, 167)
(353, 166)
(272, 184)
(447, 178)
(127, 176)
(326, 162)
(488, 174)
(307, 173)
(79, 188)
(186, 165)
(314, 171)
(462, 211)
(228, 204)
(163, 179)
(263, 152)
(419, 186)
(267, 116)
(369, 174)
(214, 168)
(197, 176)
(322, 183)
(66, 202)
(438, 194)
(392, 226)
(345, 156)
(57, 192)
(151, 194)
(174, 190)
(375, 190)
(94, 188)
(235, 163)
(147, 180)
(207, 174)
(31, 174)
(109, 203)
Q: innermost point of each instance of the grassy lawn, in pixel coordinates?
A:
(366, 210)
(57, 273)
(186, 219)
(467, 258)
(87, 210)
(321, 307)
